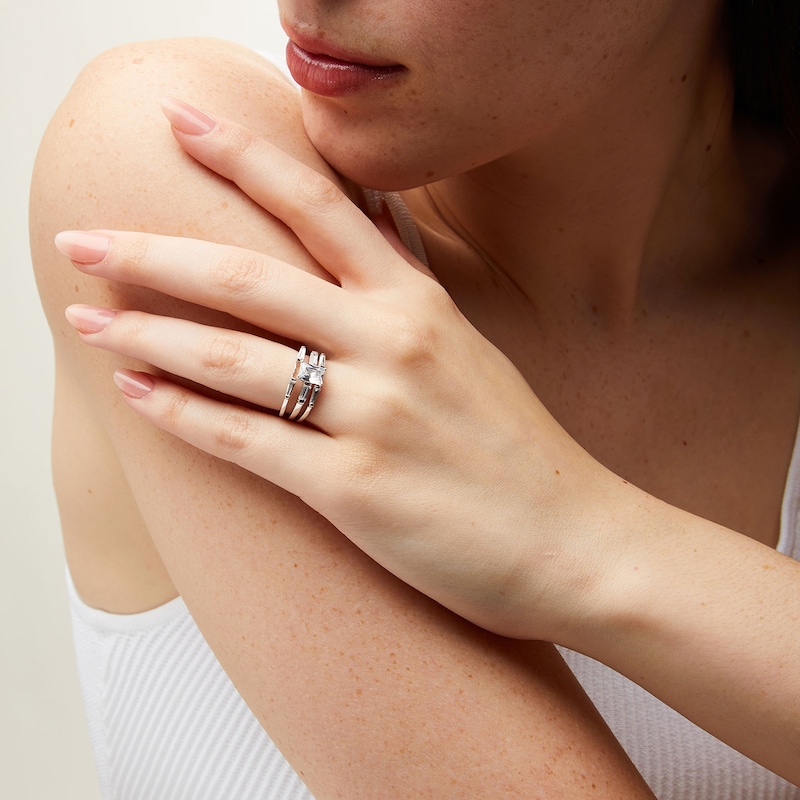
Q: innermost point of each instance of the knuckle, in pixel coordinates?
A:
(391, 412)
(316, 194)
(224, 355)
(414, 341)
(135, 255)
(360, 470)
(385, 405)
(174, 409)
(134, 327)
(365, 465)
(233, 431)
(239, 275)
(436, 297)
(238, 145)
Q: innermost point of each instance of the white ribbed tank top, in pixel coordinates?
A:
(165, 721)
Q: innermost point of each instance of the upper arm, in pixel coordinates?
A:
(369, 688)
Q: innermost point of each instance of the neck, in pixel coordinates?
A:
(643, 190)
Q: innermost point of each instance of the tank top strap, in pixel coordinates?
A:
(789, 541)
(404, 222)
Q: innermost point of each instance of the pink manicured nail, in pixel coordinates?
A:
(133, 384)
(186, 118)
(82, 247)
(89, 319)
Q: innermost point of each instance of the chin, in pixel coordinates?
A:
(373, 167)
(376, 153)
(378, 172)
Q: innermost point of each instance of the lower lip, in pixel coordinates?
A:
(330, 77)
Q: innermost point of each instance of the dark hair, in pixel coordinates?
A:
(765, 51)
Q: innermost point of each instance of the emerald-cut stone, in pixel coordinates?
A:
(311, 373)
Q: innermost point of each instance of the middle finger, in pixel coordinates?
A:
(253, 287)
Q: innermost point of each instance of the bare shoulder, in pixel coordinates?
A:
(108, 160)
(109, 139)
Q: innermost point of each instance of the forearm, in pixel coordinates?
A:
(708, 621)
(368, 688)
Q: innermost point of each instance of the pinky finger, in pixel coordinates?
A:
(261, 443)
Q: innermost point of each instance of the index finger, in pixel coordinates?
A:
(331, 227)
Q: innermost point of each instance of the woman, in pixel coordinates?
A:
(594, 213)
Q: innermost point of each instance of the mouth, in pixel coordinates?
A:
(330, 70)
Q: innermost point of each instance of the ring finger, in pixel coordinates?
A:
(241, 365)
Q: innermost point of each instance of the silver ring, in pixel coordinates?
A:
(310, 373)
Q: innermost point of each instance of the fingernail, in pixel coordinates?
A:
(133, 384)
(186, 118)
(89, 319)
(82, 247)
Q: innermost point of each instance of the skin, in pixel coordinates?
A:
(640, 603)
(541, 69)
(317, 638)
(614, 310)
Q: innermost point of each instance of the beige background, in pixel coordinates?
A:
(44, 751)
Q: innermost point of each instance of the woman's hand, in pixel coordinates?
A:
(425, 446)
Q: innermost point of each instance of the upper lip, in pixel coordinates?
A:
(317, 45)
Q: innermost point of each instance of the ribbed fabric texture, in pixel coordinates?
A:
(165, 721)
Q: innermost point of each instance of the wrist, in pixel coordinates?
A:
(602, 578)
